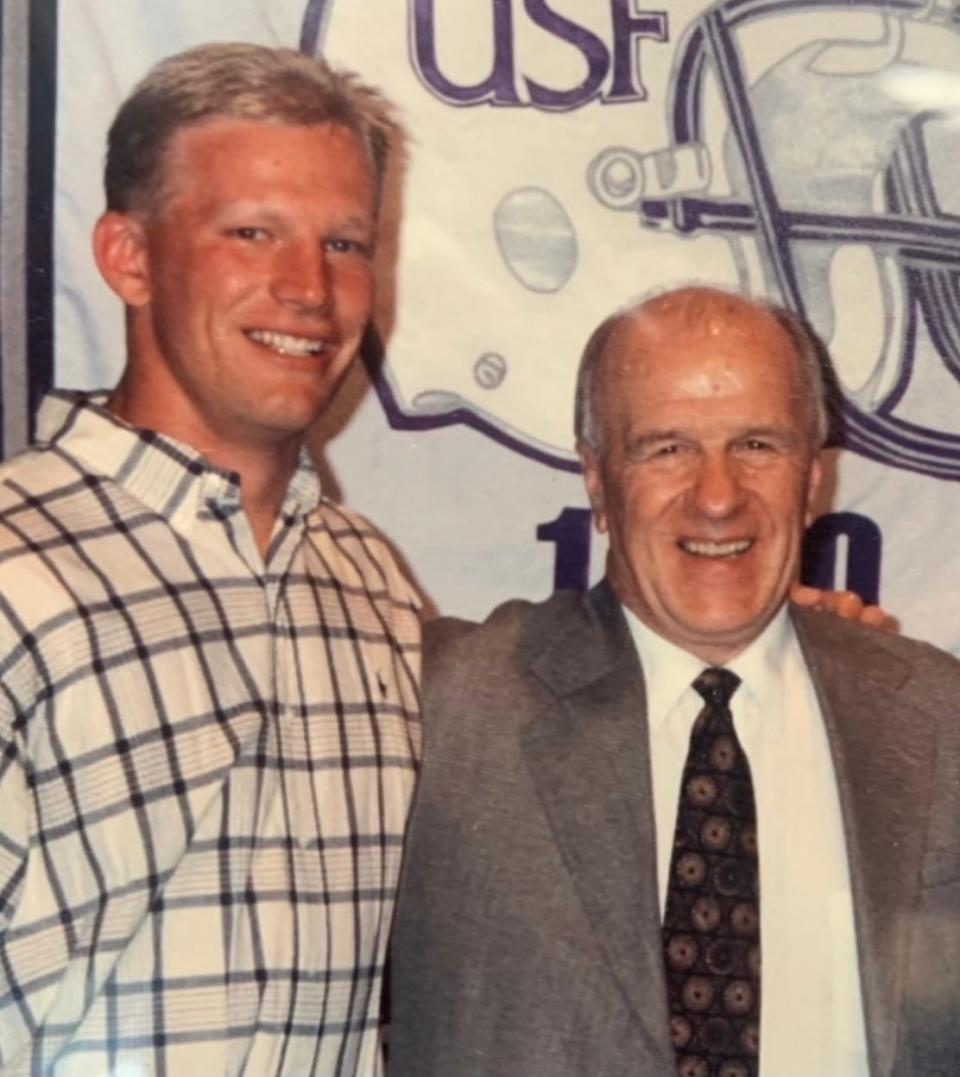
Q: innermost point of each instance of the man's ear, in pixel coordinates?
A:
(120, 249)
(813, 488)
(593, 480)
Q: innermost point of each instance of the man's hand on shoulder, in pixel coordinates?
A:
(846, 604)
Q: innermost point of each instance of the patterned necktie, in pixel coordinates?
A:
(711, 926)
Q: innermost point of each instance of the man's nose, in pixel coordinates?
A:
(301, 276)
(717, 491)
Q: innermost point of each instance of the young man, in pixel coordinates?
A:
(208, 717)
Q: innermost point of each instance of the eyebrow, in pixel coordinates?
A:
(658, 435)
(270, 216)
(783, 432)
(650, 437)
(361, 223)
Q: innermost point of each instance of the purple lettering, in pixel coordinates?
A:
(594, 52)
(629, 24)
(498, 88)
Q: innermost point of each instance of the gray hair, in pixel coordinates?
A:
(812, 362)
(239, 81)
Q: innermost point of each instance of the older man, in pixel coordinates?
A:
(208, 706)
(674, 826)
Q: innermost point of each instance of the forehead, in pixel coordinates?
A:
(224, 155)
(738, 359)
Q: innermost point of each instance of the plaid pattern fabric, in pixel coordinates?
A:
(205, 765)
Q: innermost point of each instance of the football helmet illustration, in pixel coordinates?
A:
(775, 153)
(833, 188)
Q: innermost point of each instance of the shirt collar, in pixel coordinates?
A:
(166, 475)
(668, 670)
(761, 666)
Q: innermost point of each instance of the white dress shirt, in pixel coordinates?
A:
(811, 1011)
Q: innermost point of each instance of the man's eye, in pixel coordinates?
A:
(670, 448)
(661, 452)
(250, 233)
(340, 245)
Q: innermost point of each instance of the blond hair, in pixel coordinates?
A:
(239, 81)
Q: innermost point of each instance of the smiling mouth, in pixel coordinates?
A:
(286, 344)
(708, 548)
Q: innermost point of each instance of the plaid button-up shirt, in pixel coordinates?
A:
(206, 763)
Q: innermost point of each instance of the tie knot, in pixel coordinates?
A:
(716, 685)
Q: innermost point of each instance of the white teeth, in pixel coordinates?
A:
(286, 344)
(704, 548)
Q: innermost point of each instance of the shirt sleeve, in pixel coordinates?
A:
(15, 814)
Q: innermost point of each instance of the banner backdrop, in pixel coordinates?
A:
(565, 157)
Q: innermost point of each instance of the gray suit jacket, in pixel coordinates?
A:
(527, 939)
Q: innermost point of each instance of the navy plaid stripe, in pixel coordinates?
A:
(205, 765)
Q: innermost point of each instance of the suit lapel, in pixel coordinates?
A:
(590, 764)
(883, 754)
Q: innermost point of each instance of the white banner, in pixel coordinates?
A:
(565, 157)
